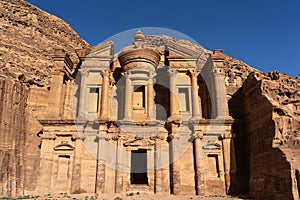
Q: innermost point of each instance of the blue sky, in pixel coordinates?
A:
(263, 33)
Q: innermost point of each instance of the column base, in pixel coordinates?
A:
(196, 118)
(126, 120)
(103, 118)
(174, 119)
(227, 117)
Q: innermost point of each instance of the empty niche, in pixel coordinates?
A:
(213, 166)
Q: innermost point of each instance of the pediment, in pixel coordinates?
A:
(100, 57)
(64, 147)
(181, 56)
(180, 51)
(139, 142)
(185, 51)
(212, 146)
(105, 49)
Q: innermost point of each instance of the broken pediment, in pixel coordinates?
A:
(139, 142)
(105, 49)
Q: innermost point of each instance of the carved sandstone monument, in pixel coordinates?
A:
(161, 116)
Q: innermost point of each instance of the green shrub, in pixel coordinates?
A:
(131, 194)
(24, 197)
(79, 191)
(118, 198)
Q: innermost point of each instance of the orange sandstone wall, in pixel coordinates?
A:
(13, 96)
(269, 169)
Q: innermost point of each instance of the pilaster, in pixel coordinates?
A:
(128, 93)
(101, 155)
(56, 94)
(104, 95)
(199, 172)
(76, 175)
(158, 187)
(228, 157)
(82, 100)
(174, 112)
(175, 167)
(119, 178)
(68, 109)
(196, 101)
(219, 90)
(150, 107)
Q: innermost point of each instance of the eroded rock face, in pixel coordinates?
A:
(13, 96)
(28, 38)
(271, 116)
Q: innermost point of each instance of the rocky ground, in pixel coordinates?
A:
(130, 196)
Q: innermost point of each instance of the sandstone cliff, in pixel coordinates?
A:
(266, 110)
(28, 39)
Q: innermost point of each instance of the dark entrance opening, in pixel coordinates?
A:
(298, 180)
(138, 173)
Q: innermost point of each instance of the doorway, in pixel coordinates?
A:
(138, 174)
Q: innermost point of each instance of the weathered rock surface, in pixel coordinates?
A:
(268, 131)
(28, 39)
(13, 96)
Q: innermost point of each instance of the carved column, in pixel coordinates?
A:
(175, 168)
(101, 153)
(68, 99)
(56, 94)
(228, 157)
(126, 169)
(104, 95)
(128, 93)
(220, 106)
(119, 167)
(199, 168)
(82, 100)
(76, 175)
(173, 92)
(195, 97)
(158, 187)
(150, 98)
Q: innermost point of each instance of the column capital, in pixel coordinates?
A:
(151, 77)
(160, 136)
(172, 72)
(84, 73)
(193, 73)
(58, 72)
(227, 135)
(198, 135)
(106, 73)
(152, 74)
(172, 137)
(127, 74)
(115, 138)
(156, 137)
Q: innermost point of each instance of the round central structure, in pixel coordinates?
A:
(145, 57)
